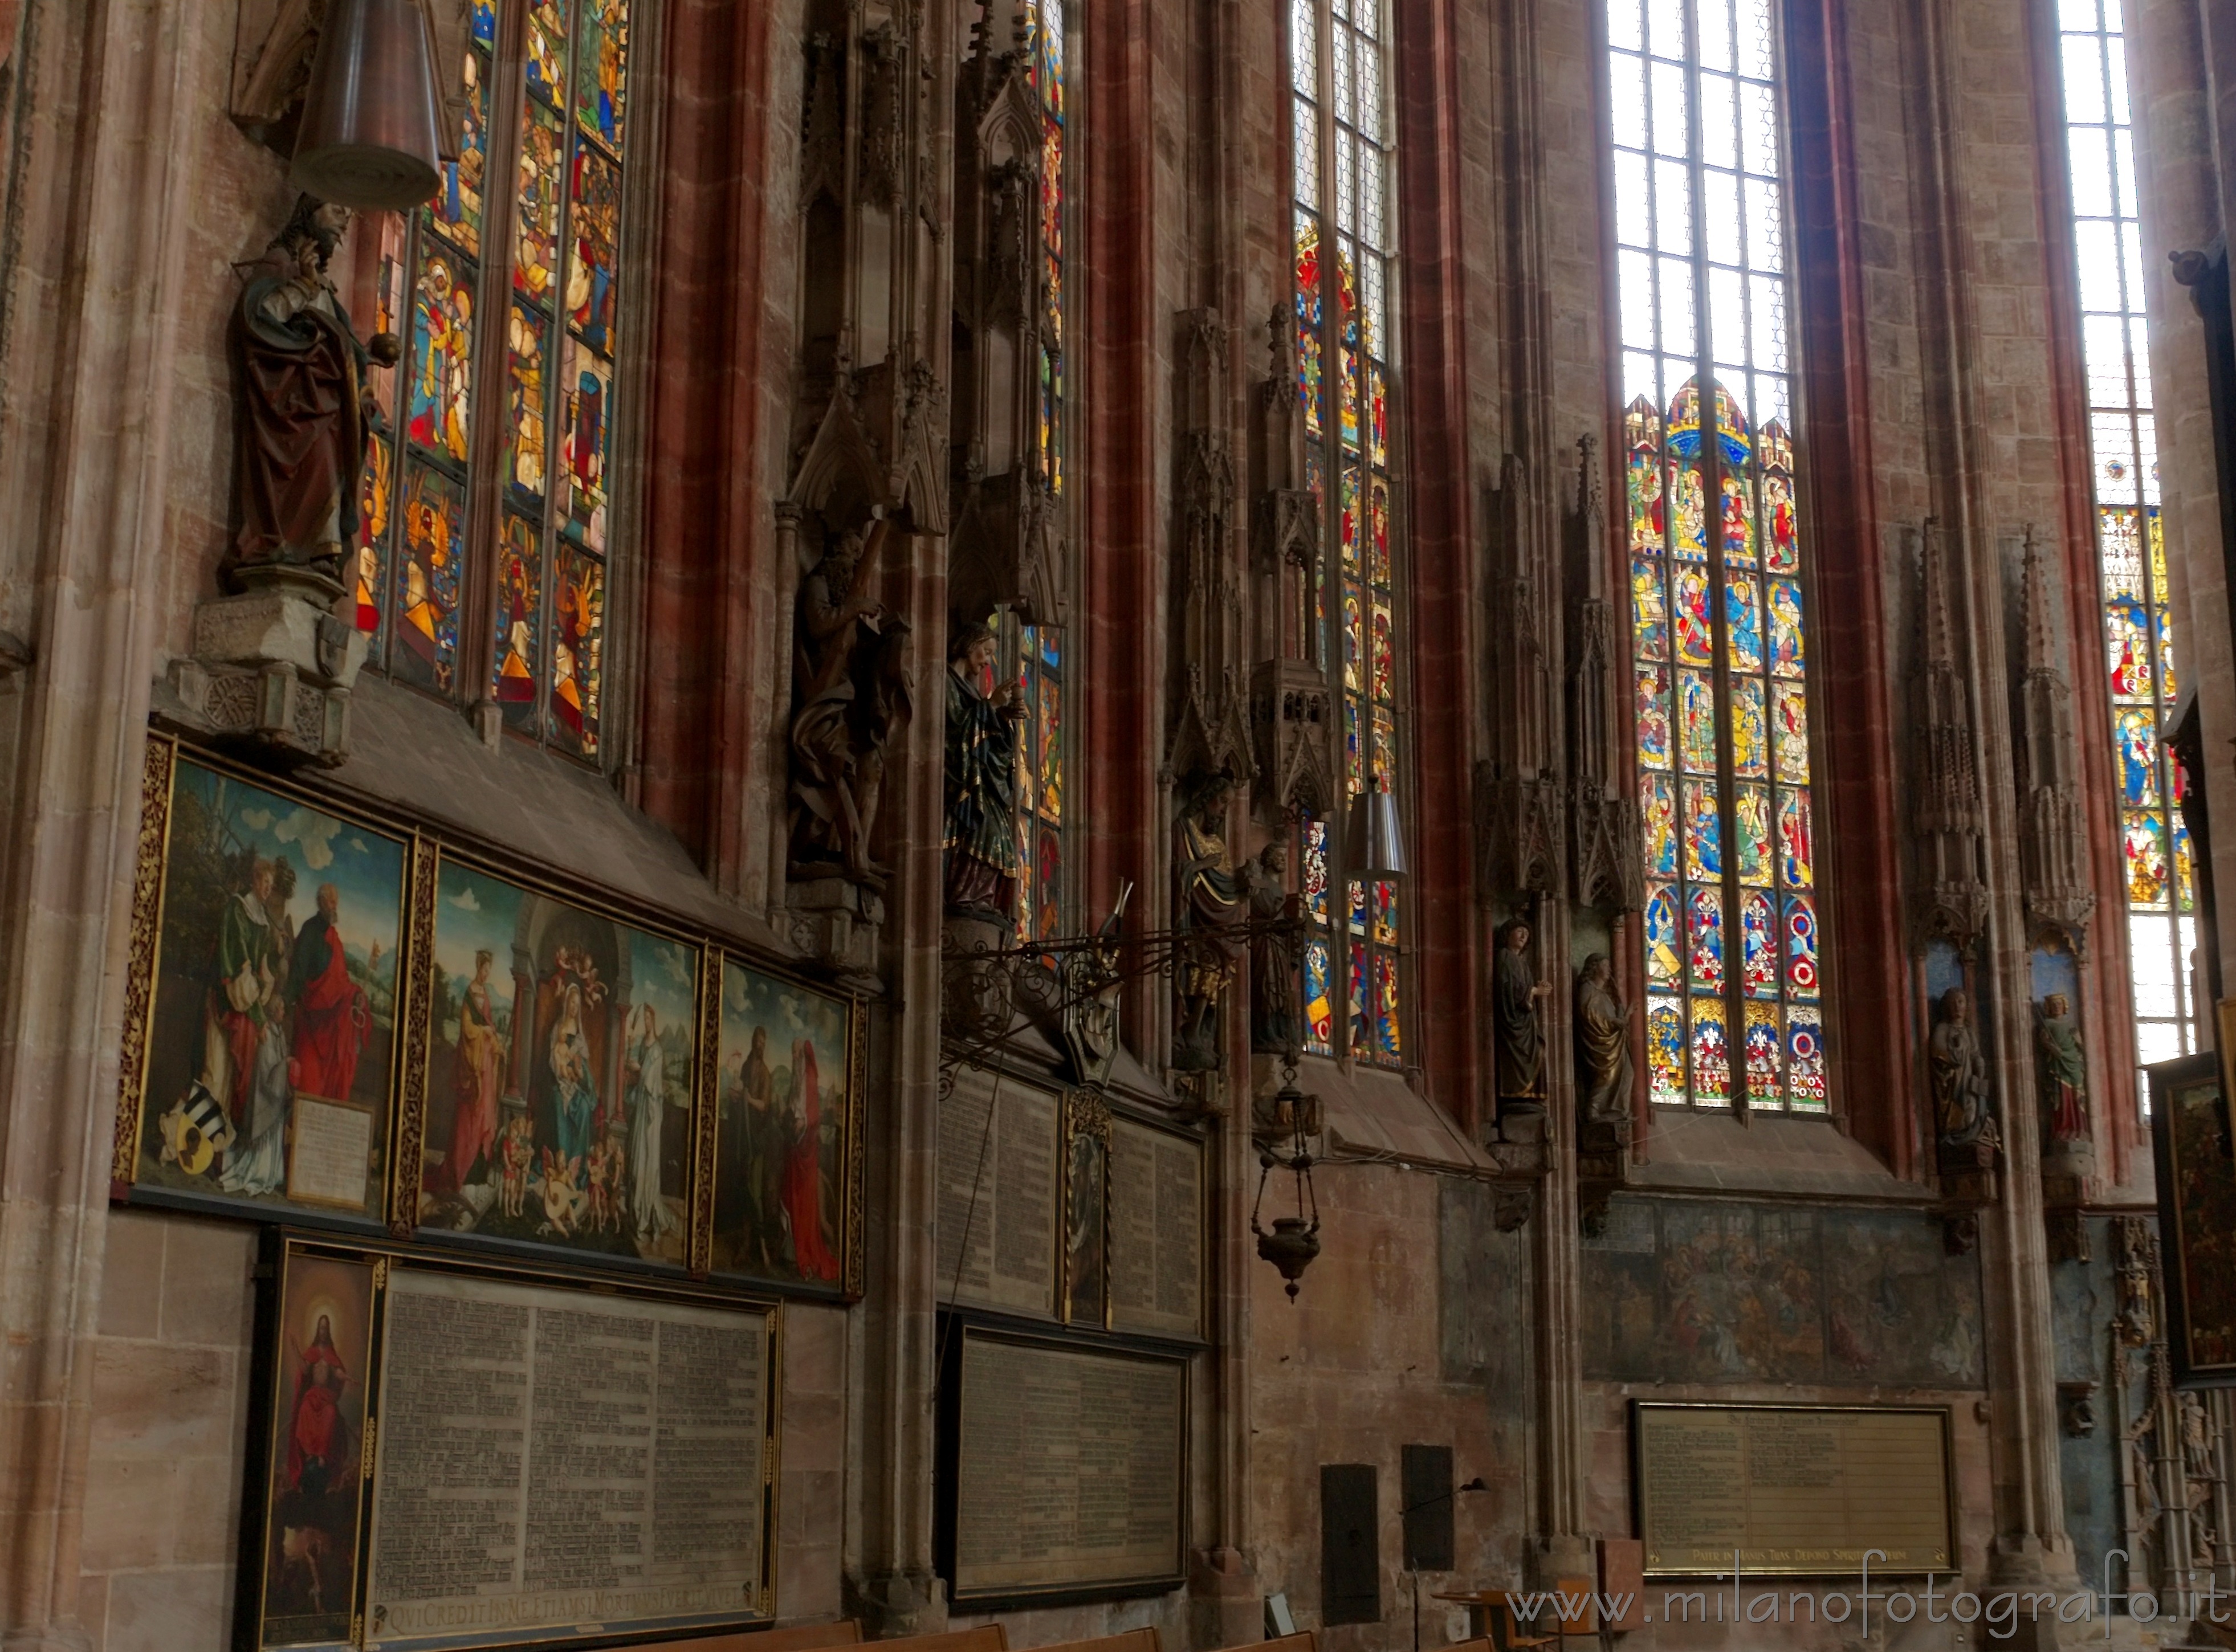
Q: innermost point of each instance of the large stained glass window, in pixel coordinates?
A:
(1344, 159)
(506, 291)
(1036, 653)
(1718, 642)
(2100, 143)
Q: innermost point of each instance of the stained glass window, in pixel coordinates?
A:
(1344, 159)
(509, 311)
(1717, 574)
(1035, 654)
(2123, 441)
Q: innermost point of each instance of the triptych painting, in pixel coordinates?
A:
(337, 1022)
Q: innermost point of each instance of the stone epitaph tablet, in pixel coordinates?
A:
(1156, 1221)
(555, 1462)
(997, 1195)
(1068, 1468)
(1796, 1490)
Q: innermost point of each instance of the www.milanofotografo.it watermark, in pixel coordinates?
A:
(2000, 1611)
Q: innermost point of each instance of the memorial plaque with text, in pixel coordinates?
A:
(1156, 1231)
(997, 1195)
(1797, 1490)
(553, 1462)
(1069, 1466)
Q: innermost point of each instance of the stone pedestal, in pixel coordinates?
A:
(1225, 1605)
(273, 668)
(837, 922)
(895, 1604)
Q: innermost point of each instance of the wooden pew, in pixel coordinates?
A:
(1302, 1641)
(1142, 1640)
(799, 1638)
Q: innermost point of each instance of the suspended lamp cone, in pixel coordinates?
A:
(1376, 841)
(368, 138)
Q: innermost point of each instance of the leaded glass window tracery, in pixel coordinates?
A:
(1344, 158)
(2124, 442)
(1719, 642)
(509, 308)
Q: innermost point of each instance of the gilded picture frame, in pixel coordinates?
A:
(376, 1429)
(262, 1048)
(781, 1153)
(2195, 1154)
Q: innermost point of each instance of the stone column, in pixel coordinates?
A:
(85, 376)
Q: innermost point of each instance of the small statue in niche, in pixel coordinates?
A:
(1517, 993)
(852, 696)
(980, 843)
(1209, 905)
(2061, 1071)
(1276, 960)
(1960, 1076)
(305, 413)
(1603, 1044)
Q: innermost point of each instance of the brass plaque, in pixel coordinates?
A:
(1797, 1489)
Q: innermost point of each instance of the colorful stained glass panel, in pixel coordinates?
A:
(1664, 958)
(1797, 858)
(1786, 657)
(1743, 624)
(1764, 1079)
(1652, 716)
(1665, 1049)
(1791, 718)
(1801, 946)
(1696, 636)
(593, 231)
(1750, 740)
(456, 209)
(1759, 971)
(602, 70)
(1704, 832)
(1704, 927)
(1659, 813)
(585, 443)
(519, 621)
(578, 650)
(438, 402)
(535, 237)
(1649, 612)
(1696, 710)
(1751, 833)
(1712, 1050)
(526, 443)
(425, 646)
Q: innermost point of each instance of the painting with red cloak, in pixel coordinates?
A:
(260, 1059)
(314, 1473)
(785, 1132)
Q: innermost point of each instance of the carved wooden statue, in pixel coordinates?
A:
(852, 696)
(305, 413)
(1961, 1107)
(2060, 1067)
(1208, 904)
(1276, 987)
(1517, 993)
(981, 836)
(1603, 1070)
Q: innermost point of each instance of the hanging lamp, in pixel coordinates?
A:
(369, 134)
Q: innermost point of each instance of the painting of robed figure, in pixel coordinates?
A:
(560, 1074)
(314, 1478)
(266, 1032)
(784, 1135)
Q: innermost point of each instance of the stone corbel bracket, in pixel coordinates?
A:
(274, 671)
(273, 44)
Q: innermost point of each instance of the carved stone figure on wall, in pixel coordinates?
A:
(1960, 1076)
(1207, 906)
(1603, 1069)
(2061, 1071)
(1516, 994)
(981, 837)
(305, 412)
(1276, 987)
(851, 696)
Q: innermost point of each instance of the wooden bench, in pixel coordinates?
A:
(797, 1637)
(1141, 1640)
(1302, 1641)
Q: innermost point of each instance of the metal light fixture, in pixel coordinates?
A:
(1375, 843)
(369, 134)
(1293, 1242)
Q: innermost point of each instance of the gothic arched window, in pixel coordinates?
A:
(1719, 644)
(489, 502)
(1344, 155)
(2123, 441)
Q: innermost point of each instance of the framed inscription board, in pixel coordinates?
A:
(999, 1178)
(455, 1456)
(1156, 1231)
(1064, 1469)
(2197, 1216)
(1795, 1490)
